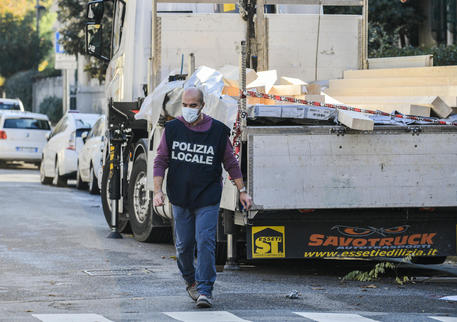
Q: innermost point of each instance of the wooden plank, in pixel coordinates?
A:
(231, 91)
(395, 91)
(391, 82)
(291, 81)
(404, 108)
(286, 90)
(393, 99)
(437, 71)
(313, 89)
(312, 98)
(355, 120)
(401, 62)
(265, 79)
(440, 107)
(231, 75)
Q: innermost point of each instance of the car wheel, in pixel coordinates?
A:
(141, 215)
(43, 178)
(93, 183)
(80, 184)
(428, 260)
(123, 221)
(58, 180)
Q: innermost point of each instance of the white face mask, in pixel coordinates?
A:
(190, 114)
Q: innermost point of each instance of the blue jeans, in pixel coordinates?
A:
(197, 227)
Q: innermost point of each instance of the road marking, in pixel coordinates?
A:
(444, 318)
(450, 298)
(219, 316)
(334, 317)
(71, 318)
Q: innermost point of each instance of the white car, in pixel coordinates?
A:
(23, 136)
(10, 104)
(60, 155)
(90, 158)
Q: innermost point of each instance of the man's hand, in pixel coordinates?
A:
(246, 200)
(159, 199)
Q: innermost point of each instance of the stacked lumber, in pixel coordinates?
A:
(267, 82)
(422, 91)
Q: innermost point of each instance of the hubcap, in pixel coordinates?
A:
(140, 200)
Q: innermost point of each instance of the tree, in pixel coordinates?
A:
(391, 22)
(20, 47)
(72, 13)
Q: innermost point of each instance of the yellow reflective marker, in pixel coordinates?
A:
(229, 7)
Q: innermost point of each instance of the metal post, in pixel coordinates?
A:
(365, 35)
(229, 229)
(38, 18)
(242, 102)
(115, 191)
(191, 64)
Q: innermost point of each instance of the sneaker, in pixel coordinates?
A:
(204, 301)
(192, 291)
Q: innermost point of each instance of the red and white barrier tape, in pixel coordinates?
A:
(344, 107)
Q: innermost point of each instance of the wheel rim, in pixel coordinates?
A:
(140, 200)
(108, 181)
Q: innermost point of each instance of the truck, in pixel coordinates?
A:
(320, 189)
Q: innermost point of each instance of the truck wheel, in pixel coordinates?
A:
(123, 221)
(427, 260)
(58, 180)
(141, 214)
(80, 185)
(93, 183)
(43, 178)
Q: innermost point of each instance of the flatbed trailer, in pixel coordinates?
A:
(319, 189)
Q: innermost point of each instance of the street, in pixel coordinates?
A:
(57, 265)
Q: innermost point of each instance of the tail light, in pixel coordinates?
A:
(72, 141)
(3, 135)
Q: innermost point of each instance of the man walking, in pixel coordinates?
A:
(193, 148)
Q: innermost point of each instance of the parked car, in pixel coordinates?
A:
(90, 158)
(60, 155)
(23, 136)
(11, 104)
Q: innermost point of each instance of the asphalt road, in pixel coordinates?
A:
(56, 264)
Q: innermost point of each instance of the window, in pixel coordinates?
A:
(9, 106)
(26, 123)
(118, 25)
(96, 129)
(61, 126)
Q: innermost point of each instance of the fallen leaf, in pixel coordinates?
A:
(29, 311)
(173, 257)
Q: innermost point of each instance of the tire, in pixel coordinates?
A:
(80, 185)
(123, 221)
(93, 182)
(58, 180)
(425, 260)
(43, 178)
(141, 215)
